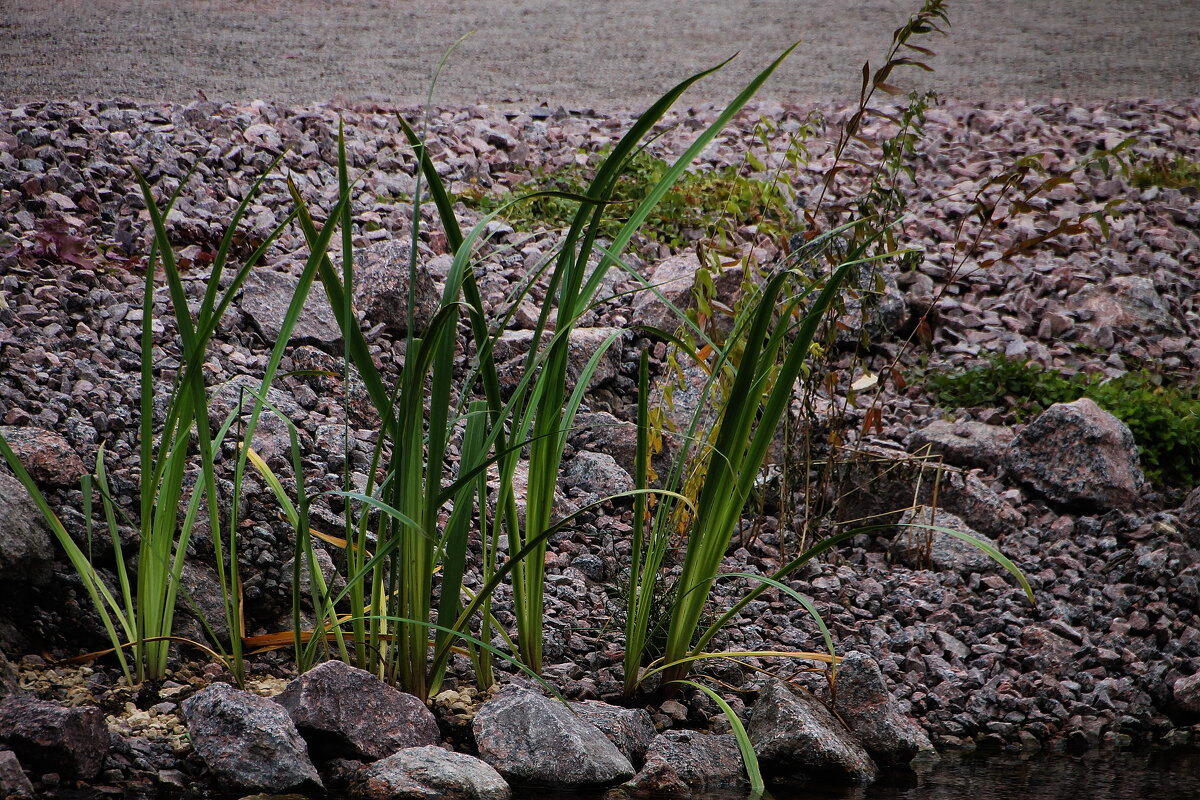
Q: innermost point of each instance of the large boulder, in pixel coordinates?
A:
(266, 296)
(601, 432)
(429, 773)
(873, 307)
(14, 783)
(9, 680)
(345, 711)
(511, 348)
(1186, 692)
(248, 741)
(47, 457)
(687, 763)
(863, 702)
(26, 550)
(796, 737)
(963, 444)
(50, 738)
(596, 474)
(673, 283)
(630, 729)
(923, 548)
(1080, 455)
(1126, 303)
(535, 741)
(382, 286)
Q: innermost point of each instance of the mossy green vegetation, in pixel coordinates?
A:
(1163, 415)
(1179, 172)
(700, 199)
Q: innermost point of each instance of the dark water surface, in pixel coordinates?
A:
(1157, 775)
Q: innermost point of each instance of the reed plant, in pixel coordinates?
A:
(138, 613)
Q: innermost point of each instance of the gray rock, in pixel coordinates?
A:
(1129, 303)
(596, 473)
(630, 729)
(381, 287)
(874, 306)
(429, 773)
(9, 680)
(266, 296)
(863, 702)
(200, 589)
(333, 579)
(1186, 692)
(601, 432)
(922, 549)
(796, 736)
(1078, 454)
(535, 741)
(964, 494)
(248, 741)
(50, 738)
(47, 457)
(963, 444)
(272, 438)
(674, 280)
(684, 763)
(511, 347)
(343, 710)
(14, 783)
(26, 550)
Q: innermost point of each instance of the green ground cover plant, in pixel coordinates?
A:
(1163, 416)
(696, 201)
(1180, 172)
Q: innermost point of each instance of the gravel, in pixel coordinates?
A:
(1113, 629)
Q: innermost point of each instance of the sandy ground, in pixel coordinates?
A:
(599, 53)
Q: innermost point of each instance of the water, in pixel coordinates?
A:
(1156, 775)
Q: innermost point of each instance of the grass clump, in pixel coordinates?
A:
(1164, 418)
(1177, 173)
(697, 199)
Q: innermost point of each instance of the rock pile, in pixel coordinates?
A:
(1109, 649)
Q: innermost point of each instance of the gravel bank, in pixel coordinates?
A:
(1114, 627)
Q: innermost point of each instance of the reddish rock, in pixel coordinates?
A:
(348, 711)
(1078, 454)
(47, 457)
(49, 738)
(248, 741)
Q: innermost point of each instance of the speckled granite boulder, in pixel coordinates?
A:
(796, 737)
(922, 548)
(50, 738)
(864, 703)
(429, 773)
(248, 741)
(963, 444)
(345, 711)
(1080, 455)
(46, 455)
(381, 287)
(686, 763)
(630, 729)
(534, 741)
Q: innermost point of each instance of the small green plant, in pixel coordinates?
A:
(1164, 418)
(1024, 386)
(698, 199)
(1179, 172)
